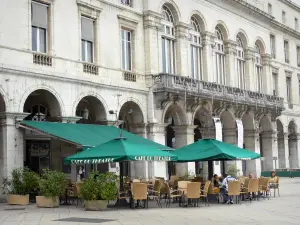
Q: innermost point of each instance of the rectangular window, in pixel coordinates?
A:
(259, 78)
(196, 60)
(273, 46)
(283, 17)
(275, 84)
(168, 56)
(298, 56)
(286, 51)
(270, 9)
(39, 26)
(126, 49)
(87, 39)
(288, 89)
(296, 24)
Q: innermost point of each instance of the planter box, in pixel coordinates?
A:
(45, 202)
(18, 199)
(95, 205)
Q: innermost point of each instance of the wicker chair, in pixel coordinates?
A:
(155, 193)
(139, 193)
(171, 195)
(273, 185)
(264, 187)
(204, 192)
(234, 189)
(193, 192)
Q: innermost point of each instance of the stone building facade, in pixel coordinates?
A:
(172, 71)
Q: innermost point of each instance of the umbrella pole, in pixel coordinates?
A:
(121, 202)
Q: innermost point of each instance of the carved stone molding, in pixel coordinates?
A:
(240, 110)
(230, 47)
(182, 30)
(152, 19)
(156, 127)
(208, 38)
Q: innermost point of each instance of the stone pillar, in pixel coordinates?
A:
(230, 70)
(250, 74)
(269, 150)
(267, 74)
(283, 150)
(139, 168)
(12, 143)
(152, 24)
(157, 132)
(251, 139)
(208, 41)
(184, 135)
(230, 136)
(182, 49)
(293, 150)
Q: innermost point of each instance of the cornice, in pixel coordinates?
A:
(291, 4)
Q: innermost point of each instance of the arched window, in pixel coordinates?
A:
(240, 62)
(258, 68)
(196, 50)
(220, 57)
(168, 41)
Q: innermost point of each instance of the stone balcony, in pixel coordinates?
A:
(208, 90)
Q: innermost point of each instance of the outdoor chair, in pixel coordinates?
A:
(204, 192)
(252, 189)
(155, 192)
(171, 195)
(245, 188)
(193, 192)
(273, 185)
(182, 186)
(139, 193)
(136, 181)
(264, 188)
(234, 189)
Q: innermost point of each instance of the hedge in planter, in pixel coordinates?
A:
(52, 185)
(23, 181)
(98, 190)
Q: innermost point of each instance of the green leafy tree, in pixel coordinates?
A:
(99, 186)
(52, 183)
(233, 171)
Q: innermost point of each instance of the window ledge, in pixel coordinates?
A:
(42, 59)
(90, 68)
(129, 76)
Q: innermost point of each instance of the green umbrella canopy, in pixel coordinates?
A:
(213, 150)
(121, 149)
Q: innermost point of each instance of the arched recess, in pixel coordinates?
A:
(261, 44)
(42, 106)
(281, 146)
(2, 103)
(206, 127)
(244, 38)
(293, 145)
(91, 109)
(199, 17)
(131, 114)
(173, 7)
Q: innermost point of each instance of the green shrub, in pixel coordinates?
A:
(99, 186)
(22, 182)
(232, 171)
(52, 183)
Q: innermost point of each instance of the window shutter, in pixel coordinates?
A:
(39, 15)
(87, 29)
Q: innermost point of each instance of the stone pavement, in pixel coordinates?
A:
(279, 210)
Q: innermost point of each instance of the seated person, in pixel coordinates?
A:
(273, 180)
(216, 184)
(224, 190)
(250, 175)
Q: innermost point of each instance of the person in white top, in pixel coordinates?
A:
(224, 190)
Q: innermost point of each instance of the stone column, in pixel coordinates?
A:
(251, 139)
(283, 150)
(182, 49)
(152, 24)
(250, 74)
(139, 168)
(293, 150)
(184, 135)
(270, 150)
(157, 132)
(230, 70)
(12, 143)
(267, 74)
(208, 41)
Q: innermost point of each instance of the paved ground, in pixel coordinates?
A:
(279, 210)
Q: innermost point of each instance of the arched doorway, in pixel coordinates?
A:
(92, 111)
(293, 145)
(132, 119)
(41, 105)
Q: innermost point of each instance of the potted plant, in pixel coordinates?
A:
(52, 185)
(98, 189)
(233, 170)
(18, 187)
